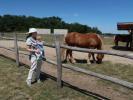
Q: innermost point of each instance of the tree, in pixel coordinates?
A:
(10, 23)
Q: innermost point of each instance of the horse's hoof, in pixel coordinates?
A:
(95, 62)
(64, 61)
(73, 61)
(88, 63)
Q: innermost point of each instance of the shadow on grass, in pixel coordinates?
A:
(44, 77)
(77, 61)
(81, 61)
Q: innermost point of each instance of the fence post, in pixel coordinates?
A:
(59, 64)
(16, 49)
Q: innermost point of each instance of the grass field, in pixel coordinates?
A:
(13, 86)
(110, 41)
(120, 71)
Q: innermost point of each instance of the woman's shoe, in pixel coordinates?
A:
(38, 80)
(28, 83)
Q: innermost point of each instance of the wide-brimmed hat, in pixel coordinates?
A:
(32, 30)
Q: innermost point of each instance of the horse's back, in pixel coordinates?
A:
(83, 40)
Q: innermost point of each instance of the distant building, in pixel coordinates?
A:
(60, 31)
(43, 31)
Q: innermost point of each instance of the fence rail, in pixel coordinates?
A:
(77, 69)
(101, 76)
(108, 52)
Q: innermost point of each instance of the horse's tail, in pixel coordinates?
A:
(101, 44)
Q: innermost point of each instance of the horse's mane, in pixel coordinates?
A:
(102, 44)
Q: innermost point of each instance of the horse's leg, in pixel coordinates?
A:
(67, 54)
(127, 44)
(130, 44)
(63, 53)
(93, 56)
(89, 58)
(71, 57)
(116, 43)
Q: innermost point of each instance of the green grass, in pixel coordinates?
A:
(13, 86)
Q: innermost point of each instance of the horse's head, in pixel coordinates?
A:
(99, 58)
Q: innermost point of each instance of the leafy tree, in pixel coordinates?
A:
(10, 23)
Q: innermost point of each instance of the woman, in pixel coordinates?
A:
(35, 56)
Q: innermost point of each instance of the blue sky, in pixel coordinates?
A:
(103, 14)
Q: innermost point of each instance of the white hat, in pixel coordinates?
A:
(32, 30)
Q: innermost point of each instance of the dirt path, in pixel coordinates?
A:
(50, 52)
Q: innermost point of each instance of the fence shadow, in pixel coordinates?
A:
(77, 61)
(44, 77)
(81, 61)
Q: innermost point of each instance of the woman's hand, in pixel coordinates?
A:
(31, 50)
(37, 51)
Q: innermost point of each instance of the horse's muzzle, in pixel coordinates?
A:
(99, 61)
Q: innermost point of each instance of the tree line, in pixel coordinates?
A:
(10, 23)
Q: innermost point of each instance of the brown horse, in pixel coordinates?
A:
(122, 38)
(90, 40)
